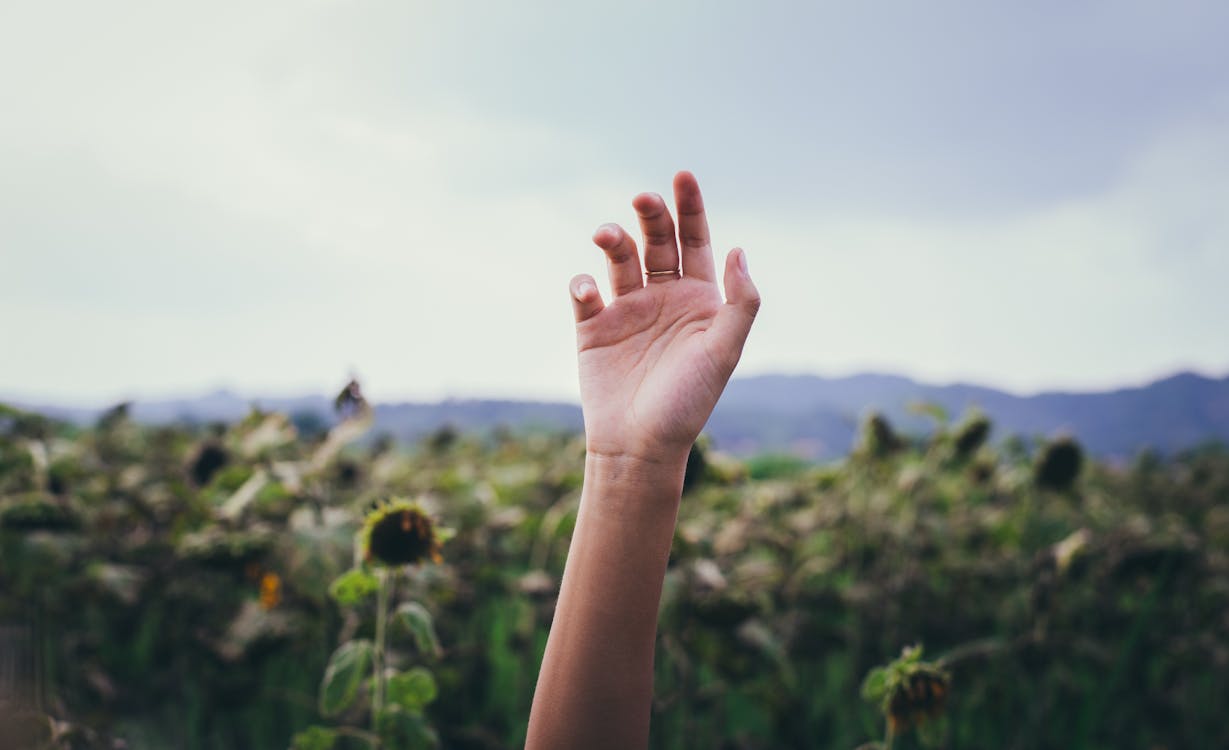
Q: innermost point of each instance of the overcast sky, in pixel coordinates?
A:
(272, 195)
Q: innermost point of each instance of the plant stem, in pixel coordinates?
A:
(377, 684)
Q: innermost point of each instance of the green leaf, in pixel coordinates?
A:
(401, 730)
(314, 738)
(415, 618)
(875, 684)
(353, 586)
(347, 667)
(412, 690)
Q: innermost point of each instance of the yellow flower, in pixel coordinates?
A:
(270, 590)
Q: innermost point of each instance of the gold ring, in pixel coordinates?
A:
(651, 274)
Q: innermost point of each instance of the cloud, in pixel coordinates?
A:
(268, 195)
(1121, 284)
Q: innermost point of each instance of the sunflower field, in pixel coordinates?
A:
(261, 585)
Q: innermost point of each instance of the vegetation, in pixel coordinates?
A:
(218, 588)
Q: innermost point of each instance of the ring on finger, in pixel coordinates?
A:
(659, 274)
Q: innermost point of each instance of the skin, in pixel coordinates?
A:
(653, 363)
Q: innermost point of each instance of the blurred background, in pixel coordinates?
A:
(983, 410)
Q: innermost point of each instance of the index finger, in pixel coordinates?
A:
(695, 246)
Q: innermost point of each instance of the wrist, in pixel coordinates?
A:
(623, 482)
(617, 441)
(636, 465)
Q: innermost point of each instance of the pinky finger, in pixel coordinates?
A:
(586, 299)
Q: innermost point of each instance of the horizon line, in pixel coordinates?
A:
(33, 402)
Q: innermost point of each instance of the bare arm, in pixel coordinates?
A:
(652, 365)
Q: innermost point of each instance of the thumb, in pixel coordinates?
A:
(742, 302)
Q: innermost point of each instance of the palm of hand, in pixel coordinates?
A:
(649, 366)
(654, 362)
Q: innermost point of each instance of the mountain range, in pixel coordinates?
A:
(808, 415)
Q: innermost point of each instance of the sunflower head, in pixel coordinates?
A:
(1059, 464)
(971, 435)
(400, 532)
(877, 438)
(909, 691)
(918, 695)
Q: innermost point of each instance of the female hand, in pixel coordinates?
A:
(652, 364)
(655, 360)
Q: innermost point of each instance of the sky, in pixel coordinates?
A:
(273, 196)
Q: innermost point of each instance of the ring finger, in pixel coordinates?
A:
(661, 252)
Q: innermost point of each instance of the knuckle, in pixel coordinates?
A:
(658, 236)
(694, 239)
(620, 254)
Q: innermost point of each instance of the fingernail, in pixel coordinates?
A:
(653, 198)
(742, 263)
(610, 231)
(584, 290)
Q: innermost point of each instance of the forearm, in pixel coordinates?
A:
(596, 683)
(652, 365)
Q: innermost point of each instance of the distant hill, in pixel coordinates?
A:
(813, 416)
(818, 416)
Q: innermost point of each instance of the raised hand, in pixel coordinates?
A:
(655, 360)
(652, 365)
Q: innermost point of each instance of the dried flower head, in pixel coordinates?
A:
(917, 696)
(909, 691)
(1059, 464)
(211, 457)
(351, 403)
(877, 439)
(971, 434)
(399, 532)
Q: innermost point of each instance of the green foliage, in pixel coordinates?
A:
(314, 738)
(413, 691)
(415, 618)
(347, 667)
(36, 510)
(171, 614)
(776, 466)
(399, 729)
(353, 586)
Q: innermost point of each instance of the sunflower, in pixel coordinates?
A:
(1059, 464)
(399, 532)
(910, 691)
(919, 695)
